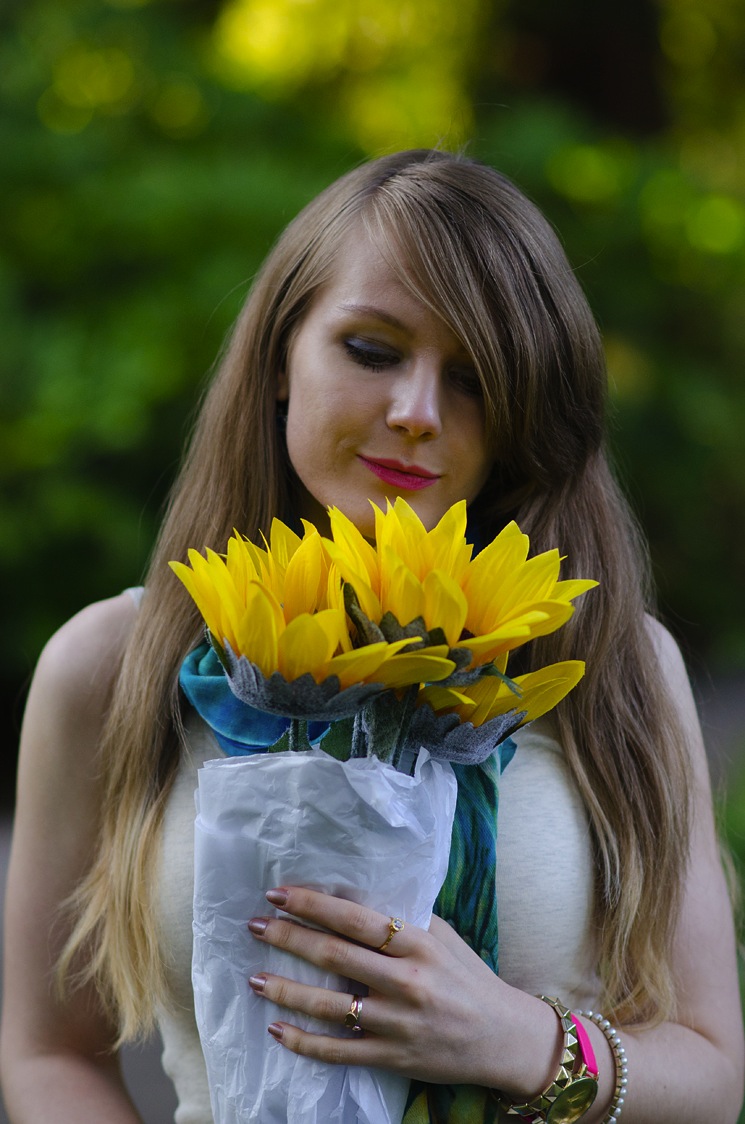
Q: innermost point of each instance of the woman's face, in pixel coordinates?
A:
(383, 400)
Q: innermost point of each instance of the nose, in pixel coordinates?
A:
(415, 406)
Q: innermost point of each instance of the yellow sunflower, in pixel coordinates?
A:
(282, 608)
(490, 604)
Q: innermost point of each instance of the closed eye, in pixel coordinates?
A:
(371, 355)
(466, 380)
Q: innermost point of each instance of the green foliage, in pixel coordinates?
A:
(141, 183)
(130, 235)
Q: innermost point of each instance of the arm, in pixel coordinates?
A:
(436, 1012)
(55, 1057)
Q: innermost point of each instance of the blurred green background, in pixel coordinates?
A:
(150, 152)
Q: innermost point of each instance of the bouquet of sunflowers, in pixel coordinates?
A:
(371, 668)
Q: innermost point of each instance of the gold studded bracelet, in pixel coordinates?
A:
(573, 1107)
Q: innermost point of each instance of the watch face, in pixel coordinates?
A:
(573, 1101)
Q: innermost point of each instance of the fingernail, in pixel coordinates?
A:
(276, 1031)
(257, 982)
(258, 925)
(276, 897)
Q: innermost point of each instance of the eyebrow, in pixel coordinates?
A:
(387, 317)
(371, 310)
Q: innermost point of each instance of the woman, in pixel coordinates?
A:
(416, 331)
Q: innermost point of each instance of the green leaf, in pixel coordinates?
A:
(282, 745)
(338, 741)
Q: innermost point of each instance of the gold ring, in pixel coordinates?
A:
(395, 925)
(352, 1017)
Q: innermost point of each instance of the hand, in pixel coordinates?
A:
(434, 1011)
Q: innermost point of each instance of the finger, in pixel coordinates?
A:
(364, 1050)
(357, 1012)
(327, 951)
(360, 924)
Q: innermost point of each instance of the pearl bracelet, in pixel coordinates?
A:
(619, 1056)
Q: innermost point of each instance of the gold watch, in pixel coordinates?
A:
(573, 1089)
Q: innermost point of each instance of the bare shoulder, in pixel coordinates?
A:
(666, 648)
(82, 647)
(82, 657)
(72, 684)
(675, 676)
(671, 662)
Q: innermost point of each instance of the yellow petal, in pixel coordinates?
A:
(259, 629)
(401, 593)
(351, 543)
(487, 698)
(445, 699)
(305, 578)
(533, 581)
(411, 667)
(361, 664)
(408, 537)
(544, 688)
(504, 593)
(258, 557)
(283, 543)
(504, 555)
(547, 616)
(334, 599)
(356, 577)
(445, 605)
(448, 549)
(334, 624)
(243, 563)
(568, 590)
(201, 592)
(485, 649)
(540, 691)
(304, 646)
(215, 595)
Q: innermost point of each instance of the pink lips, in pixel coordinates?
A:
(409, 477)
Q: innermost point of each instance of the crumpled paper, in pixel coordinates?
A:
(358, 829)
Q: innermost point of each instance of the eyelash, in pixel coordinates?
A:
(374, 358)
(467, 382)
(368, 356)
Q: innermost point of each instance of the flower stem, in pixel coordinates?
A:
(299, 735)
(407, 709)
(359, 740)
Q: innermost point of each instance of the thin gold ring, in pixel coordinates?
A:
(395, 925)
(353, 1015)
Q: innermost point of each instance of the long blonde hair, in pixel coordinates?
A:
(476, 251)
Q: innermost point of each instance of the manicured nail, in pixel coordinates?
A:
(276, 1031)
(276, 897)
(258, 925)
(257, 983)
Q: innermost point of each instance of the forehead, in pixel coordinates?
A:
(370, 275)
(360, 263)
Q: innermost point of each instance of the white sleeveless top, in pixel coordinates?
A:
(544, 893)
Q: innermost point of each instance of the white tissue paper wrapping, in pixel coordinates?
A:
(356, 829)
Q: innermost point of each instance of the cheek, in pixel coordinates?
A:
(299, 444)
(312, 437)
(477, 456)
